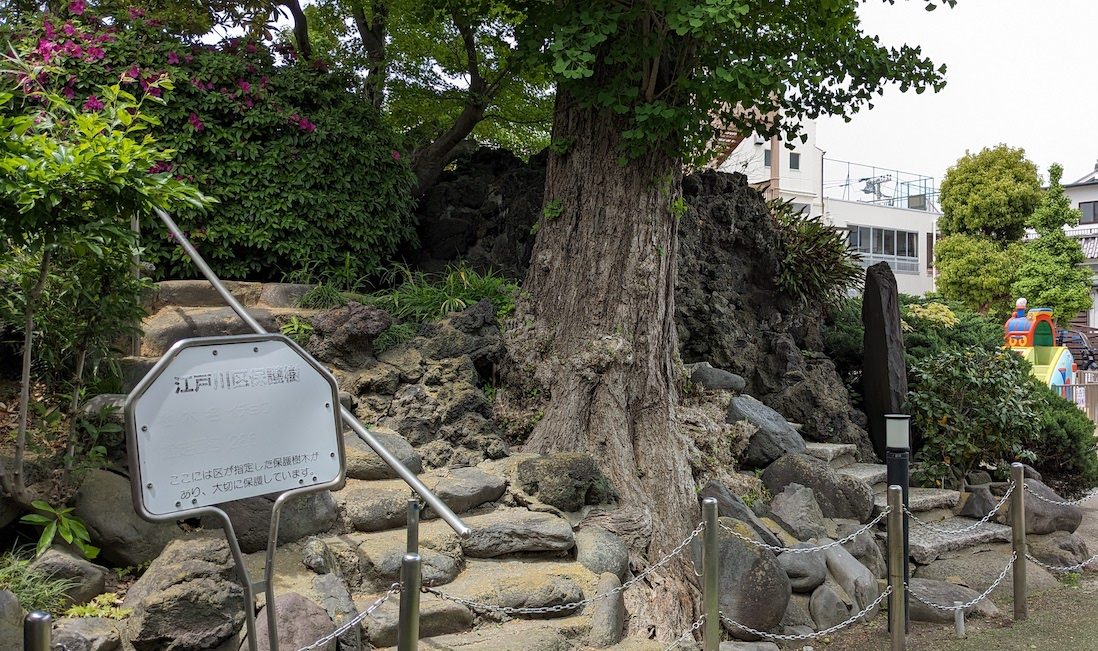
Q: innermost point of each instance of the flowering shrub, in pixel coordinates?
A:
(307, 174)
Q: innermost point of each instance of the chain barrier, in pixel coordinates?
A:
(543, 610)
(1065, 569)
(1091, 494)
(970, 604)
(810, 636)
(808, 550)
(973, 527)
(354, 621)
(689, 634)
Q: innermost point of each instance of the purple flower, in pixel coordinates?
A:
(248, 102)
(160, 167)
(396, 155)
(195, 122)
(173, 58)
(77, 7)
(243, 85)
(49, 30)
(136, 12)
(250, 48)
(68, 29)
(68, 92)
(95, 53)
(155, 91)
(187, 58)
(93, 104)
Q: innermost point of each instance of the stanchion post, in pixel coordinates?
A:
(711, 636)
(36, 631)
(408, 625)
(897, 562)
(959, 620)
(1018, 539)
(898, 469)
(413, 526)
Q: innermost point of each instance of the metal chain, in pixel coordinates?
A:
(972, 527)
(810, 636)
(355, 621)
(807, 550)
(984, 595)
(688, 634)
(542, 610)
(1069, 568)
(1089, 496)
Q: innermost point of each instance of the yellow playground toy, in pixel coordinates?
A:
(1032, 333)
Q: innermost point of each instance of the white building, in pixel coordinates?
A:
(891, 216)
(1084, 196)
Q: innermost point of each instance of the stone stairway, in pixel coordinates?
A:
(934, 506)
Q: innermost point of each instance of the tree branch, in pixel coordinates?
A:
(301, 28)
(372, 31)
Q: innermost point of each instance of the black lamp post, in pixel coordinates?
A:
(898, 465)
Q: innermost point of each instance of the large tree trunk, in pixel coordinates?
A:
(600, 316)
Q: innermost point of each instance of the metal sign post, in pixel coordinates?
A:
(220, 419)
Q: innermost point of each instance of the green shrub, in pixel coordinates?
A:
(1065, 443)
(972, 407)
(816, 263)
(34, 589)
(417, 297)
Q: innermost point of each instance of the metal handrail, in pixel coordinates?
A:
(349, 418)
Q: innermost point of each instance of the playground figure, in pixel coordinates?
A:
(1032, 334)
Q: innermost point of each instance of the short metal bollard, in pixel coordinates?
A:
(959, 620)
(413, 526)
(36, 631)
(897, 563)
(408, 625)
(1018, 539)
(711, 635)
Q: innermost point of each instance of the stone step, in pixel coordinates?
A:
(870, 473)
(200, 293)
(926, 545)
(837, 455)
(134, 368)
(173, 323)
(923, 499)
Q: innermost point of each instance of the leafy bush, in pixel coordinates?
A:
(816, 263)
(60, 522)
(417, 297)
(34, 589)
(306, 170)
(972, 407)
(1065, 443)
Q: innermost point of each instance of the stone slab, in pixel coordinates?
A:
(830, 452)
(927, 545)
(870, 473)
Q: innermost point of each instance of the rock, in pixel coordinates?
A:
(775, 436)
(796, 613)
(944, 594)
(283, 294)
(11, 621)
(1043, 517)
(601, 551)
(980, 569)
(377, 557)
(855, 579)
(300, 623)
(864, 547)
(436, 617)
(839, 496)
(978, 478)
(1059, 549)
(731, 506)
(748, 646)
(1029, 472)
(884, 369)
(200, 293)
(806, 572)
(344, 336)
(828, 608)
(172, 324)
(472, 333)
(704, 375)
(979, 502)
(189, 599)
(374, 506)
(302, 516)
(607, 615)
(363, 462)
(105, 504)
(316, 556)
(331, 593)
(510, 531)
(797, 509)
(89, 580)
(463, 488)
(518, 584)
(85, 634)
(754, 590)
(565, 480)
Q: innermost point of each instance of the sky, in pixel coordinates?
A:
(1020, 72)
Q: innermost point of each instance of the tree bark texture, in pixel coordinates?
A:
(601, 315)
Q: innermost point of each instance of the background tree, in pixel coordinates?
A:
(640, 84)
(977, 271)
(1051, 274)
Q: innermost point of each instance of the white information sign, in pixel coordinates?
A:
(224, 418)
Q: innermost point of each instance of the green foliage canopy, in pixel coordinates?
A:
(977, 271)
(991, 194)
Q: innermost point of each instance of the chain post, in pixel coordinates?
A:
(1018, 539)
(959, 620)
(408, 625)
(413, 526)
(711, 631)
(36, 631)
(897, 563)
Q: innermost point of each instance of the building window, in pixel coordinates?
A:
(794, 161)
(766, 158)
(1090, 212)
(900, 249)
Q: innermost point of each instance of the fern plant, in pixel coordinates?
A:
(815, 262)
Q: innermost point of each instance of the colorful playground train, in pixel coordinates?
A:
(1032, 334)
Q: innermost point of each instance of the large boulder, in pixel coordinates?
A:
(1043, 516)
(864, 547)
(105, 504)
(601, 551)
(754, 589)
(806, 571)
(798, 511)
(88, 579)
(856, 579)
(344, 336)
(981, 569)
(302, 516)
(828, 607)
(944, 593)
(85, 634)
(511, 531)
(300, 623)
(884, 368)
(774, 437)
(729, 505)
(11, 621)
(705, 376)
(364, 463)
(839, 496)
(565, 480)
(1059, 549)
(190, 598)
(607, 615)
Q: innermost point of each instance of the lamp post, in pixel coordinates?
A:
(898, 466)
